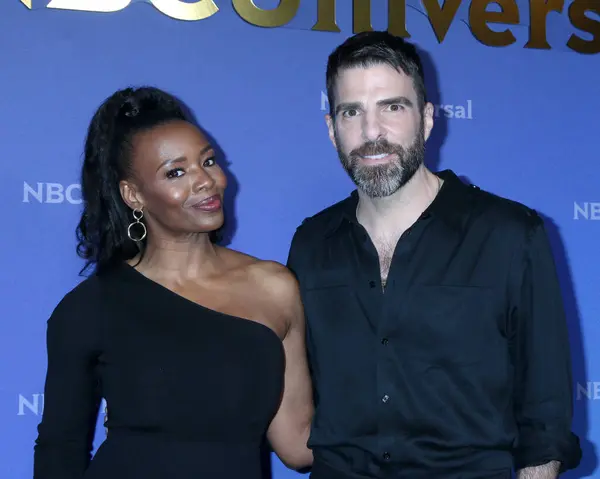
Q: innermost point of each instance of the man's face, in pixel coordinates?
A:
(379, 131)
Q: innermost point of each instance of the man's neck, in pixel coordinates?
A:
(392, 215)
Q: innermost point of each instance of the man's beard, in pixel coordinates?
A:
(378, 181)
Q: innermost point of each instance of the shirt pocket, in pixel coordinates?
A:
(326, 279)
(331, 307)
(450, 324)
(326, 294)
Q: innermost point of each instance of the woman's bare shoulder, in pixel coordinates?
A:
(275, 275)
(256, 266)
(270, 276)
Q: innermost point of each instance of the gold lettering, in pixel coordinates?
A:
(361, 16)
(104, 6)
(186, 11)
(441, 17)
(397, 18)
(173, 8)
(276, 17)
(580, 21)
(326, 18)
(538, 11)
(479, 17)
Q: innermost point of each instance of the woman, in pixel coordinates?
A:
(197, 349)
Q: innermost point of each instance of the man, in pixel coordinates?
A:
(435, 328)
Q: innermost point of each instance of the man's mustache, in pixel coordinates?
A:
(372, 148)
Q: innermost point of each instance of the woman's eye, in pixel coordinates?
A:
(174, 173)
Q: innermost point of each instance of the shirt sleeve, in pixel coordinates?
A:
(293, 260)
(297, 260)
(541, 357)
(71, 394)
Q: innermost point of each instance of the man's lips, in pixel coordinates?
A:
(376, 159)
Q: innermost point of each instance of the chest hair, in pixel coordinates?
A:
(385, 250)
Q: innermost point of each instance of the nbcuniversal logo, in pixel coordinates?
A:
(457, 111)
(588, 391)
(586, 211)
(33, 405)
(53, 193)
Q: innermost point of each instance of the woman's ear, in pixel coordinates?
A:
(131, 195)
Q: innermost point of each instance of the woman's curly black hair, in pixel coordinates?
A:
(102, 229)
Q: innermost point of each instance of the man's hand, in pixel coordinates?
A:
(545, 471)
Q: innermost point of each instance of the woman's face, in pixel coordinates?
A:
(176, 180)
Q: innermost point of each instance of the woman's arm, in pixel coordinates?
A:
(289, 430)
(71, 396)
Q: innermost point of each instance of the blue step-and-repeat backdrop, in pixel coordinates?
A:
(517, 89)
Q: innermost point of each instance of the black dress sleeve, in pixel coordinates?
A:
(71, 394)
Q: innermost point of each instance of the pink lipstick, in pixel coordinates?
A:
(210, 204)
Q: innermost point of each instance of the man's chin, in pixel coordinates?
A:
(376, 192)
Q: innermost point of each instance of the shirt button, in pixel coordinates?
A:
(372, 284)
(385, 398)
(386, 456)
(384, 341)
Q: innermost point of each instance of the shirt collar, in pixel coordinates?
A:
(449, 205)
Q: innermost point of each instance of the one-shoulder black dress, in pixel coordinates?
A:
(190, 391)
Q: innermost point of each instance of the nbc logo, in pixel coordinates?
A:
(588, 391)
(51, 193)
(586, 211)
(33, 404)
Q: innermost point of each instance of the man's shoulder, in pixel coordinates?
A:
(503, 211)
(323, 221)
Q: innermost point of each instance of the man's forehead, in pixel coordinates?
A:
(380, 77)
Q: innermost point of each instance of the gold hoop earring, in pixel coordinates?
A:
(138, 214)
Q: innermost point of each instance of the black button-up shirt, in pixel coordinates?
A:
(461, 367)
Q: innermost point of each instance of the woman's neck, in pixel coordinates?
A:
(180, 260)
